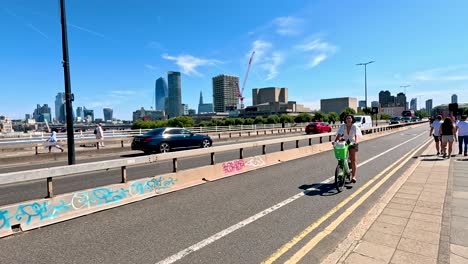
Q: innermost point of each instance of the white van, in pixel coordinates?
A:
(363, 121)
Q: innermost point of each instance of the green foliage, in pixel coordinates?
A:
(319, 116)
(273, 119)
(181, 121)
(239, 121)
(249, 121)
(303, 118)
(259, 120)
(347, 111)
(229, 122)
(285, 118)
(421, 114)
(205, 123)
(384, 116)
(333, 117)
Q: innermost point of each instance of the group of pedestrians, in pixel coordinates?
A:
(446, 132)
(98, 132)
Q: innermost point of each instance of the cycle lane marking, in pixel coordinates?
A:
(195, 247)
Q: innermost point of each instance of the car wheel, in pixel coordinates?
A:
(205, 143)
(164, 147)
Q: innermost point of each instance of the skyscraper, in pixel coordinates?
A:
(454, 99)
(204, 108)
(174, 107)
(414, 104)
(79, 114)
(429, 106)
(59, 107)
(401, 100)
(42, 113)
(107, 114)
(160, 93)
(225, 92)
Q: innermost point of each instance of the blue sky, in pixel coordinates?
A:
(119, 48)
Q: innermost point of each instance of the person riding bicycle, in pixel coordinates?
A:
(351, 133)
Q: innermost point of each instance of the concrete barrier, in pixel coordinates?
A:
(36, 213)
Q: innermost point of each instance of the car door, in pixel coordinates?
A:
(175, 137)
(190, 140)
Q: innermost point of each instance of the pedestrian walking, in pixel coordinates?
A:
(53, 138)
(435, 132)
(447, 132)
(99, 132)
(462, 130)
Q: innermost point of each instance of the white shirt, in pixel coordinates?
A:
(436, 125)
(462, 128)
(353, 132)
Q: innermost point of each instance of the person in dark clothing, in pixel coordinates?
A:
(447, 133)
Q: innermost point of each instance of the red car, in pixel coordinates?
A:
(317, 127)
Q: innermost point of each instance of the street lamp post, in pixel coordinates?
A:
(405, 86)
(365, 77)
(68, 94)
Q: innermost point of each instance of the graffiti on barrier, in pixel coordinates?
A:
(44, 210)
(255, 162)
(233, 166)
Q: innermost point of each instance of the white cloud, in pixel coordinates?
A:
(188, 64)
(150, 67)
(288, 25)
(451, 73)
(320, 50)
(266, 58)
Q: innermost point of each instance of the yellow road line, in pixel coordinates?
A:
(331, 227)
(286, 247)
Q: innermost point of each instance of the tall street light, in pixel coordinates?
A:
(365, 76)
(405, 86)
(68, 94)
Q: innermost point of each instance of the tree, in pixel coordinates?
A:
(384, 116)
(229, 122)
(319, 116)
(421, 114)
(285, 118)
(259, 120)
(347, 111)
(249, 121)
(333, 117)
(273, 119)
(303, 118)
(239, 121)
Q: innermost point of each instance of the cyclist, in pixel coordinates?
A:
(351, 133)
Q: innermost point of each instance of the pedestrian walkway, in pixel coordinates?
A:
(426, 220)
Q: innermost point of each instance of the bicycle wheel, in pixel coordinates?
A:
(339, 178)
(350, 172)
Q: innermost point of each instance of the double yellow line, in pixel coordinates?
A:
(331, 227)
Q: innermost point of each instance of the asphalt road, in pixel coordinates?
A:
(152, 230)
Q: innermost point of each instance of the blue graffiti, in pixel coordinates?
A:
(40, 211)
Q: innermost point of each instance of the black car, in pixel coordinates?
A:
(165, 139)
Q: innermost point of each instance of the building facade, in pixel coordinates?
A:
(108, 114)
(203, 107)
(337, 105)
(88, 115)
(225, 92)
(454, 99)
(269, 95)
(60, 107)
(413, 104)
(161, 92)
(174, 98)
(429, 106)
(148, 115)
(42, 113)
(79, 114)
(5, 125)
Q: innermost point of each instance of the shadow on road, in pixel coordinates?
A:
(327, 189)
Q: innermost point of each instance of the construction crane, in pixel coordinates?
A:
(241, 91)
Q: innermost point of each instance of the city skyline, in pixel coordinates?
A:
(311, 48)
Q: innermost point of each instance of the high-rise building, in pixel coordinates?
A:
(429, 106)
(59, 107)
(454, 99)
(386, 99)
(184, 109)
(225, 92)
(88, 115)
(42, 113)
(362, 104)
(108, 112)
(202, 107)
(79, 114)
(174, 107)
(400, 100)
(413, 104)
(269, 95)
(160, 94)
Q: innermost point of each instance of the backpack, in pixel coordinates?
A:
(95, 131)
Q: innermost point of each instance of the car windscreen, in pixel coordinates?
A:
(358, 118)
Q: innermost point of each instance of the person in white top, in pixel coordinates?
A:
(462, 131)
(350, 131)
(435, 132)
(99, 132)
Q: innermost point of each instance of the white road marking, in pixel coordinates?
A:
(227, 231)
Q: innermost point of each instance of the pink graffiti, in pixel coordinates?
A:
(233, 166)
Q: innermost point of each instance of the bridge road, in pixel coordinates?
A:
(152, 230)
(37, 189)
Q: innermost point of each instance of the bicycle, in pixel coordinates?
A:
(343, 170)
